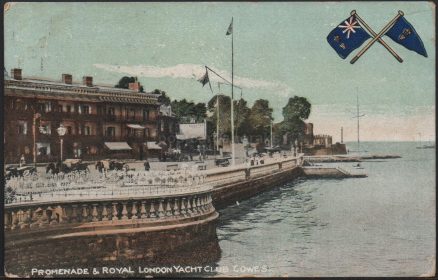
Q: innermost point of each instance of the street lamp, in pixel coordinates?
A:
(272, 120)
(61, 132)
(35, 117)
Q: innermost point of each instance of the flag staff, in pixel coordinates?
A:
(217, 121)
(233, 156)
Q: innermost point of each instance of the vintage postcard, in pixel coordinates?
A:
(219, 139)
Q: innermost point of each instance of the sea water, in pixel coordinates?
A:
(382, 225)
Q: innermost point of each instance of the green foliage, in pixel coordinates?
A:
(247, 121)
(185, 110)
(260, 116)
(124, 82)
(297, 108)
(295, 112)
(163, 98)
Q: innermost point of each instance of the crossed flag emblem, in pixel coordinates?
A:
(350, 35)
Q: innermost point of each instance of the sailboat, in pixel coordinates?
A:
(430, 146)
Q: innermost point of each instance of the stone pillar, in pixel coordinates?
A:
(175, 207)
(94, 213)
(114, 214)
(124, 212)
(143, 210)
(104, 213)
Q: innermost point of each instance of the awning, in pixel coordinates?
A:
(135, 126)
(117, 146)
(153, 146)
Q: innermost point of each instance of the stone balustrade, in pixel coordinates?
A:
(103, 212)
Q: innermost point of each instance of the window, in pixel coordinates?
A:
(84, 109)
(68, 108)
(45, 128)
(146, 132)
(132, 113)
(45, 107)
(110, 131)
(22, 127)
(87, 130)
(145, 114)
(111, 111)
(69, 130)
(59, 108)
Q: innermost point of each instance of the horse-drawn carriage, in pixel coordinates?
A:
(109, 164)
(14, 171)
(69, 165)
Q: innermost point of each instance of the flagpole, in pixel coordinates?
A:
(233, 161)
(217, 121)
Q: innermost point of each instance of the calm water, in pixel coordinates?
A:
(383, 225)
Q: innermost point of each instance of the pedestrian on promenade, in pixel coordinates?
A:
(22, 161)
(147, 166)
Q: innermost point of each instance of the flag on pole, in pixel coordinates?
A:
(404, 33)
(204, 79)
(230, 28)
(347, 37)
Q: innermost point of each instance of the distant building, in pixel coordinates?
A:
(320, 144)
(100, 121)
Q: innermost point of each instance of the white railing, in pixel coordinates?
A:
(111, 184)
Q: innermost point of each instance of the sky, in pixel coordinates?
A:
(280, 50)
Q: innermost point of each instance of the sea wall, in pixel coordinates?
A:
(236, 184)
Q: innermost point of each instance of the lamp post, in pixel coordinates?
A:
(61, 132)
(271, 122)
(35, 117)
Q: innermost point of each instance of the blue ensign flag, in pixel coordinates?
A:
(347, 37)
(404, 33)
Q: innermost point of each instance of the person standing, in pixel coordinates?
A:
(147, 166)
(22, 160)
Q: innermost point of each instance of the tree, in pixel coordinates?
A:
(295, 112)
(241, 117)
(297, 108)
(224, 113)
(185, 110)
(124, 83)
(260, 117)
(163, 98)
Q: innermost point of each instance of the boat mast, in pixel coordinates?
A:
(358, 116)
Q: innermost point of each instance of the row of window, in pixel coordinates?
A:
(46, 106)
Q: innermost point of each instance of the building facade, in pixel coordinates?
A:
(100, 122)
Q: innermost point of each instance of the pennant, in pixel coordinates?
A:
(204, 80)
(403, 33)
(230, 28)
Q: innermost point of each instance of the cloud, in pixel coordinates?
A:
(196, 71)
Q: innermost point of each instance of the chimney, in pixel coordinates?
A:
(67, 79)
(87, 80)
(16, 73)
(134, 86)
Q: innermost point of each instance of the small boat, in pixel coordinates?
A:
(358, 166)
(427, 147)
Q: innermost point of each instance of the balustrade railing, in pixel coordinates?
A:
(82, 185)
(102, 212)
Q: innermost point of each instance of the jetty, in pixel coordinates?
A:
(330, 172)
(348, 158)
